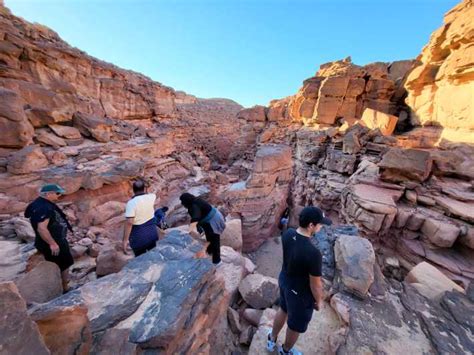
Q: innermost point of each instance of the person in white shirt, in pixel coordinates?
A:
(140, 226)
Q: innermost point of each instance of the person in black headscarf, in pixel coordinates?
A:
(205, 218)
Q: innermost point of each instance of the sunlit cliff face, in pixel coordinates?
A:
(441, 88)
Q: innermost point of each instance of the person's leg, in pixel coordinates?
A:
(65, 280)
(138, 252)
(216, 248)
(278, 323)
(290, 340)
(151, 246)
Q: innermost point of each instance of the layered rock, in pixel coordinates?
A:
(160, 300)
(344, 90)
(440, 88)
(261, 199)
(19, 334)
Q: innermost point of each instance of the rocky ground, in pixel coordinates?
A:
(385, 149)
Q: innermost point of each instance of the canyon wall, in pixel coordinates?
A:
(441, 87)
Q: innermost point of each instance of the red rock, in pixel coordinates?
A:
(27, 160)
(253, 114)
(66, 131)
(45, 137)
(463, 210)
(110, 260)
(400, 165)
(339, 90)
(65, 330)
(18, 333)
(232, 235)
(259, 291)
(430, 282)
(98, 128)
(16, 130)
(440, 233)
(379, 120)
(41, 284)
(440, 87)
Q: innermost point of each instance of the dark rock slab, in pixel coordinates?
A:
(441, 327)
(324, 240)
(18, 333)
(108, 300)
(178, 286)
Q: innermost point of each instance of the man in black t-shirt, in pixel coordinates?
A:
(51, 225)
(301, 288)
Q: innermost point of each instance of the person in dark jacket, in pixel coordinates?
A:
(160, 217)
(51, 225)
(206, 218)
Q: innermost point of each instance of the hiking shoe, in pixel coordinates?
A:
(270, 343)
(292, 351)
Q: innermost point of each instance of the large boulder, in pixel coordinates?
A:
(41, 284)
(48, 138)
(440, 232)
(18, 333)
(399, 165)
(259, 291)
(232, 235)
(379, 120)
(355, 259)
(96, 127)
(231, 270)
(66, 132)
(65, 330)
(27, 160)
(110, 260)
(430, 282)
(17, 131)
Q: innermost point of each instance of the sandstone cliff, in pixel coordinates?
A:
(441, 87)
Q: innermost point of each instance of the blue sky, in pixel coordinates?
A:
(250, 51)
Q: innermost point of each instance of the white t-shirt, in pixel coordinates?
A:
(141, 208)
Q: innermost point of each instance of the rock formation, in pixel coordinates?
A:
(384, 147)
(440, 87)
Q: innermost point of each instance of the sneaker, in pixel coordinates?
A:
(271, 344)
(292, 351)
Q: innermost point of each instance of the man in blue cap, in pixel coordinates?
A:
(51, 225)
(301, 287)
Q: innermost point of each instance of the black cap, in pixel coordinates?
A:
(313, 215)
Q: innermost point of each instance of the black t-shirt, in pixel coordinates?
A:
(40, 210)
(198, 210)
(300, 260)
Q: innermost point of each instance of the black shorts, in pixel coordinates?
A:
(64, 259)
(298, 306)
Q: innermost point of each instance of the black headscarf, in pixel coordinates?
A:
(187, 199)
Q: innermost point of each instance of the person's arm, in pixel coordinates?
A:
(317, 290)
(127, 229)
(46, 236)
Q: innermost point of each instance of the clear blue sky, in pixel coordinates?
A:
(250, 51)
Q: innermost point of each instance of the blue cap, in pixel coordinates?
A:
(52, 188)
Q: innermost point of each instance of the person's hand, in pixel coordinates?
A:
(54, 249)
(125, 248)
(194, 234)
(318, 306)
